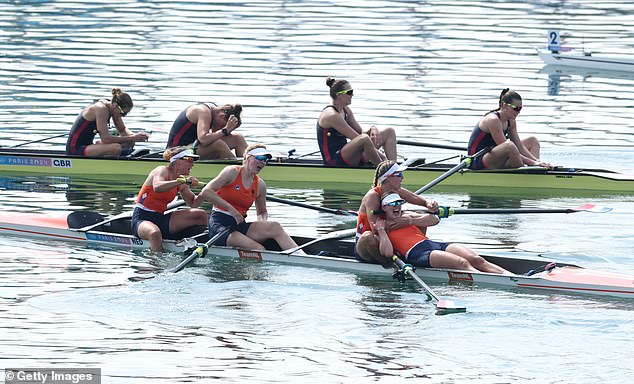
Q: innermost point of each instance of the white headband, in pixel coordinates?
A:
(259, 151)
(393, 169)
(185, 153)
(391, 198)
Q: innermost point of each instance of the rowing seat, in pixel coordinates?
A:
(80, 219)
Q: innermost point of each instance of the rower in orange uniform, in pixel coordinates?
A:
(413, 246)
(162, 185)
(232, 194)
(387, 178)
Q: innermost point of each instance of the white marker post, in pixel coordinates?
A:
(553, 41)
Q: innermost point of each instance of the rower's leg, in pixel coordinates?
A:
(477, 261)
(216, 150)
(368, 249)
(388, 140)
(261, 231)
(149, 231)
(187, 218)
(445, 259)
(532, 145)
(504, 155)
(360, 146)
(236, 142)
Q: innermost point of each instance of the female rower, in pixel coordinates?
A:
(232, 193)
(149, 220)
(411, 244)
(336, 125)
(212, 127)
(498, 129)
(96, 119)
(387, 179)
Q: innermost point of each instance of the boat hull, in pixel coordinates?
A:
(604, 63)
(335, 254)
(311, 174)
(54, 227)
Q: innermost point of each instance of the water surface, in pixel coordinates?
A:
(428, 68)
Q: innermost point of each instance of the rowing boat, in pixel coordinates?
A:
(587, 60)
(332, 253)
(312, 173)
(59, 226)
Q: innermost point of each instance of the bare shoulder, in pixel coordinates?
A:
(96, 109)
(198, 110)
(371, 198)
(261, 182)
(490, 121)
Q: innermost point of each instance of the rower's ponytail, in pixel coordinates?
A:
(122, 99)
(383, 167)
(506, 96)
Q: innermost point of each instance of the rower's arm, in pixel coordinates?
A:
(385, 244)
(260, 201)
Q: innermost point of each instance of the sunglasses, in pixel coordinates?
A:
(188, 158)
(348, 92)
(121, 111)
(514, 107)
(396, 203)
(264, 158)
(397, 174)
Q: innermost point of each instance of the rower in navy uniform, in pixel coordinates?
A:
(94, 119)
(336, 125)
(498, 129)
(210, 129)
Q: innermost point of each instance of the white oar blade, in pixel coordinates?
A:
(593, 208)
(450, 306)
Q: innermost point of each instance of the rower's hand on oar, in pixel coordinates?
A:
(539, 163)
(373, 132)
(141, 136)
(188, 180)
(432, 205)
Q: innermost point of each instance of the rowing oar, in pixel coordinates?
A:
(331, 236)
(430, 145)
(449, 211)
(314, 207)
(200, 251)
(443, 306)
(40, 140)
(463, 164)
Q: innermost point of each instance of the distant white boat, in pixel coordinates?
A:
(587, 60)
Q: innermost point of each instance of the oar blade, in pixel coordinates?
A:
(445, 306)
(592, 208)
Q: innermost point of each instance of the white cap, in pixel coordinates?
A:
(392, 197)
(393, 169)
(185, 153)
(259, 151)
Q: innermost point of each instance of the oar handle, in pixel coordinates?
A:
(313, 207)
(430, 145)
(40, 140)
(463, 164)
(332, 236)
(200, 251)
(406, 268)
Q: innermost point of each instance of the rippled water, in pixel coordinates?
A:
(429, 69)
